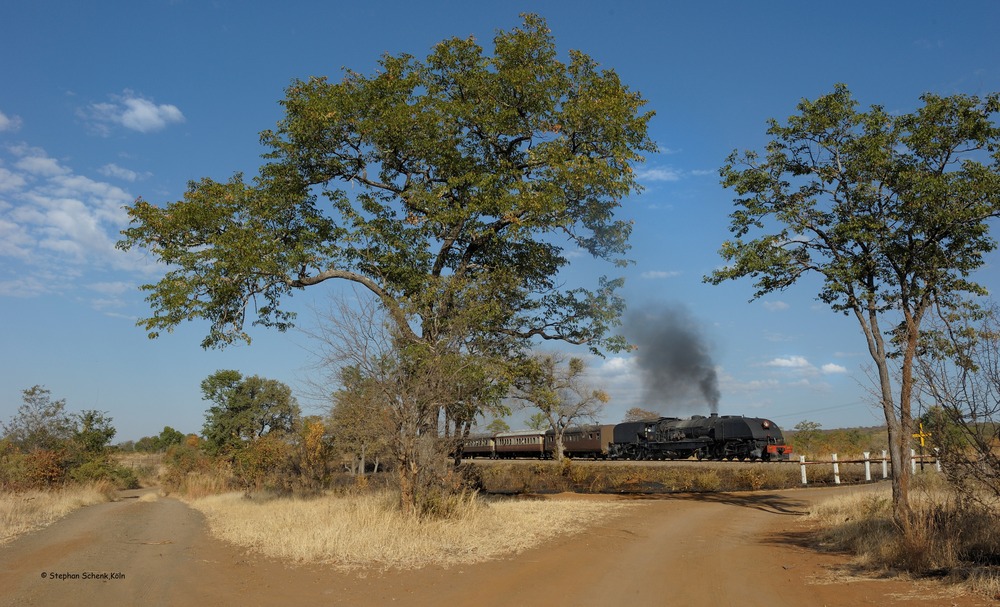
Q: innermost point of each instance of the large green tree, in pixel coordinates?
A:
(890, 210)
(245, 409)
(452, 188)
(440, 185)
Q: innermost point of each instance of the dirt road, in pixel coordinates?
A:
(743, 550)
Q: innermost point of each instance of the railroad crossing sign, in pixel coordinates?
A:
(922, 435)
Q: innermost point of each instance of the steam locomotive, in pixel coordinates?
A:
(716, 437)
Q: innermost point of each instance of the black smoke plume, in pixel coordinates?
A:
(673, 359)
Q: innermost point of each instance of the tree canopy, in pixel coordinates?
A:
(449, 187)
(892, 212)
(245, 409)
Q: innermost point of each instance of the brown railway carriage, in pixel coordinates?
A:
(520, 443)
(583, 441)
(479, 446)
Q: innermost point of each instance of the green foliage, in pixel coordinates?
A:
(887, 208)
(538, 421)
(13, 467)
(245, 409)
(360, 419)
(442, 186)
(497, 425)
(93, 432)
(105, 470)
(157, 444)
(40, 422)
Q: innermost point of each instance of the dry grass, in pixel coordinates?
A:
(368, 531)
(951, 538)
(26, 511)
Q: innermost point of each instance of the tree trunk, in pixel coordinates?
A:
(897, 424)
(361, 464)
(560, 450)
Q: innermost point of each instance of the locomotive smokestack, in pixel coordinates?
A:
(673, 358)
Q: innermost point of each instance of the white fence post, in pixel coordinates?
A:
(885, 466)
(937, 459)
(868, 468)
(836, 470)
(802, 463)
(913, 461)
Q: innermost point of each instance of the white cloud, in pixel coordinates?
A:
(134, 113)
(110, 288)
(775, 306)
(659, 274)
(790, 362)
(23, 287)
(801, 367)
(618, 364)
(9, 123)
(51, 217)
(10, 181)
(114, 171)
(662, 174)
(40, 165)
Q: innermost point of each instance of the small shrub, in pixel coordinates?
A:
(102, 470)
(708, 480)
(753, 478)
(45, 467)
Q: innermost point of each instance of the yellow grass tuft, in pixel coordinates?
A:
(352, 532)
(30, 510)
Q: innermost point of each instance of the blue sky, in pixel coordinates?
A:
(102, 102)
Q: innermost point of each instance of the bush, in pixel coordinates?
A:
(13, 468)
(954, 537)
(99, 470)
(185, 460)
(46, 467)
(264, 463)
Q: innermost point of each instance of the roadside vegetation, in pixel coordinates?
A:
(957, 538)
(28, 510)
(810, 439)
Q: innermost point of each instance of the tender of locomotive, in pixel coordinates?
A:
(719, 437)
